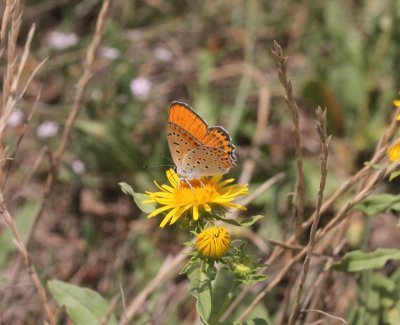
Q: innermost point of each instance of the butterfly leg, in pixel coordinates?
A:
(201, 183)
(189, 184)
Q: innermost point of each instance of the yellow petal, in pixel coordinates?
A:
(178, 213)
(393, 151)
(195, 212)
(168, 217)
(173, 178)
(158, 211)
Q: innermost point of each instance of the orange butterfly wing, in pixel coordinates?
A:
(218, 137)
(183, 116)
(190, 138)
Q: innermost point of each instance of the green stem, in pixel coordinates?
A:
(365, 279)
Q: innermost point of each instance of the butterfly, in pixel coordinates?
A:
(197, 149)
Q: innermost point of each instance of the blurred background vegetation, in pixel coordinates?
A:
(215, 56)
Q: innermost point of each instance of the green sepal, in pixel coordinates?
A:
(138, 198)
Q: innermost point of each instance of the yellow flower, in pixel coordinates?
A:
(396, 103)
(180, 197)
(393, 151)
(213, 242)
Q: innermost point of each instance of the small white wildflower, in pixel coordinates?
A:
(162, 54)
(109, 53)
(47, 129)
(140, 88)
(16, 118)
(60, 40)
(96, 94)
(78, 166)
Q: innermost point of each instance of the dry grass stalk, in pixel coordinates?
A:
(364, 172)
(384, 140)
(261, 189)
(166, 271)
(19, 140)
(367, 173)
(378, 177)
(109, 311)
(11, 82)
(263, 109)
(15, 66)
(340, 319)
(83, 82)
(14, 69)
(390, 131)
(19, 243)
(299, 194)
(4, 25)
(321, 130)
(344, 188)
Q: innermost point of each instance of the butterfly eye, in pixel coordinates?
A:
(175, 169)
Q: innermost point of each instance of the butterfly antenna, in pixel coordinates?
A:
(156, 166)
(161, 165)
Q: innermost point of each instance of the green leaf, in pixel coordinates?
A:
(393, 315)
(394, 175)
(138, 198)
(247, 222)
(357, 261)
(381, 283)
(200, 288)
(396, 278)
(84, 306)
(127, 189)
(379, 203)
(194, 284)
(222, 292)
(24, 219)
(250, 221)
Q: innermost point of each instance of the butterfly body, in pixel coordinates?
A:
(197, 149)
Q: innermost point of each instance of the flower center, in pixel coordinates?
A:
(196, 195)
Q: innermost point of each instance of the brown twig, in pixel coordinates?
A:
(321, 130)
(299, 198)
